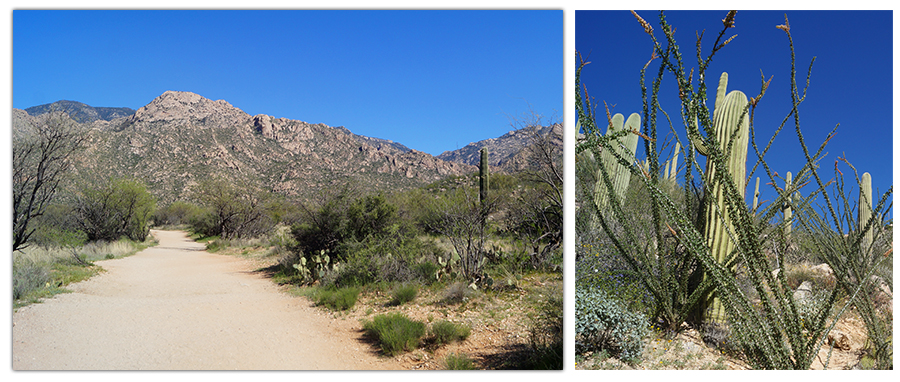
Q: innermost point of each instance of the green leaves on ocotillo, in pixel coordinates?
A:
(786, 208)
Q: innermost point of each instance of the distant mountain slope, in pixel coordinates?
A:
(181, 138)
(505, 151)
(81, 112)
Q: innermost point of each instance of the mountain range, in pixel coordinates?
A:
(180, 138)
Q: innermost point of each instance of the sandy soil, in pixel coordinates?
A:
(177, 307)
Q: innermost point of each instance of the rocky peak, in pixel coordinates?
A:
(173, 106)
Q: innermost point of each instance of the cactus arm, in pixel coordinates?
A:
(674, 168)
(721, 90)
(865, 211)
(625, 147)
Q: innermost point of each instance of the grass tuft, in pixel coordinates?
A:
(445, 332)
(455, 361)
(396, 332)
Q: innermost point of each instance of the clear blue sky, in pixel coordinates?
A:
(851, 81)
(432, 80)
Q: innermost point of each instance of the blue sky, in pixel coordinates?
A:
(432, 80)
(851, 82)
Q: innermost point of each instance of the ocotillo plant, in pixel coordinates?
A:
(756, 195)
(731, 122)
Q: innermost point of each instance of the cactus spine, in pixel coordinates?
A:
(732, 128)
(483, 177)
(865, 211)
(625, 147)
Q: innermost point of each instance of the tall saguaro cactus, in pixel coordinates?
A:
(731, 124)
(483, 177)
(619, 173)
(786, 207)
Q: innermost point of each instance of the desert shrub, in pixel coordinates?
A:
(404, 293)
(337, 298)
(602, 323)
(231, 210)
(396, 332)
(28, 276)
(426, 271)
(445, 332)
(457, 292)
(176, 213)
(456, 361)
(57, 227)
(546, 330)
(113, 209)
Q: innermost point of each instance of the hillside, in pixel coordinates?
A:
(180, 138)
(506, 152)
(81, 112)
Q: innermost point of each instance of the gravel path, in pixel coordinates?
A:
(177, 307)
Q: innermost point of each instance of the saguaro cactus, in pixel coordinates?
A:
(786, 207)
(674, 167)
(483, 177)
(625, 147)
(732, 129)
(865, 210)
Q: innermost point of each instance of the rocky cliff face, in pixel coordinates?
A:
(180, 138)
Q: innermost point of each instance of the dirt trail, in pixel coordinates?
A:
(176, 307)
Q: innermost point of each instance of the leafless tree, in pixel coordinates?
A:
(539, 209)
(42, 151)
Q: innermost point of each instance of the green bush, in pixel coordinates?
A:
(396, 332)
(404, 293)
(28, 276)
(602, 323)
(115, 208)
(337, 299)
(445, 332)
(455, 361)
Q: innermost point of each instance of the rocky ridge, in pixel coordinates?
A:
(507, 152)
(180, 138)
